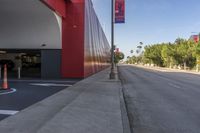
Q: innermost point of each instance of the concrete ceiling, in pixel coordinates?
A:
(27, 24)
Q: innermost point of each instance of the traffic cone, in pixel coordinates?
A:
(5, 81)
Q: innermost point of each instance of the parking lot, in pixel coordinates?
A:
(28, 92)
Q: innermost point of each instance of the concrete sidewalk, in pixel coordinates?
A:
(164, 69)
(93, 105)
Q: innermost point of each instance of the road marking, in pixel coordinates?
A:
(8, 112)
(9, 92)
(43, 81)
(173, 85)
(50, 84)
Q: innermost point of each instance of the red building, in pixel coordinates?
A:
(195, 38)
(65, 36)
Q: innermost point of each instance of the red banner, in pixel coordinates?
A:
(119, 11)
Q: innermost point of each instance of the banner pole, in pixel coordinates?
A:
(112, 73)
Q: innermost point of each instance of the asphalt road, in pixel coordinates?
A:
(29, 92)
(161, 102)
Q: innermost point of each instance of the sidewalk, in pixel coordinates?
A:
(93, 105)
(164, 69)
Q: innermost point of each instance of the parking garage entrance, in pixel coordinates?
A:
(25, 62)
(43, 63)
(31, 42)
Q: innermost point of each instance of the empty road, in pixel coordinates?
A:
(161, 102)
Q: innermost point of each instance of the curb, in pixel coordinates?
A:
(167, 69)
(124, 111)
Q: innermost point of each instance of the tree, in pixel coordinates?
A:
(179, 41)
(153, 54)
(118, 56)
(197, 50)
(185, 51)
(180, 53)
(168, 53)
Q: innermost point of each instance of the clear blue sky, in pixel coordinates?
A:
(151, 21)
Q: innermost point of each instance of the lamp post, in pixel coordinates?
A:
(112, 73)
(131, 56)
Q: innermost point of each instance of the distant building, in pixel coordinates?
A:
(194, 38)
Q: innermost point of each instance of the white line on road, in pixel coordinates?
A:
(43, 81)
(173, 85)
(12, 90)
(50, 84)
(8, 112)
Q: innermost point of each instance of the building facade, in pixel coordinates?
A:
(56, 38)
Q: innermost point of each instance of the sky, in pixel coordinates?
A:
(150, 21)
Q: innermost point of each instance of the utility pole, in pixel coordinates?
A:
(112, 73)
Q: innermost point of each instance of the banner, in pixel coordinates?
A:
(119, 11)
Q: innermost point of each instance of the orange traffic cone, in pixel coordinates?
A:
(5, 81)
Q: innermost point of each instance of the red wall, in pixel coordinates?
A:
(97, 49)
(73, 41)
(85, 49)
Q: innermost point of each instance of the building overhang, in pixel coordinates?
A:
(28, 24)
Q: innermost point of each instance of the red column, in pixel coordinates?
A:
(73, 40)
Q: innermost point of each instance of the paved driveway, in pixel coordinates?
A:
(29, 92)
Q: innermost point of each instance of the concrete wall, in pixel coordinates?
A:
(27, 24)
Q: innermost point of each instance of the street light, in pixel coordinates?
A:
(128, 59)
(131, 60)
(112, 73)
